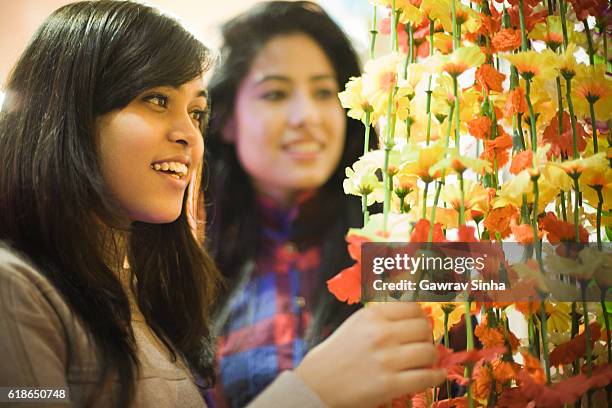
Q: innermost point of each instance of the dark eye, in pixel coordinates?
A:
(157, 99)
(325, 94)
(274, 95)
(198, 115)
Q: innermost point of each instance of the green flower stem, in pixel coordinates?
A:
(454, 19)
(608, 344)
(534, 222)
(366, 136)
(532, 120)
(469, 332)
(394, 18)
(410, 45)
(563, 12)
(432, 219)
(519, 125)
(593, 125)
(373, 33)
(447, 345)
(599, 210)
(457, 117)
(364, 209)
(589, 37)
(587, 333)
(602, 32)
(366, 148)
(462, 202)
(387, 148)
(606, 321)
(429, 91)
(523, 29)
(532, 339)
(563, 208)
(440, 183)
(543, 329)
(425, 199)
(576, 206)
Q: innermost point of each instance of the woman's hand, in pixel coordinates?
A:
(381, 352)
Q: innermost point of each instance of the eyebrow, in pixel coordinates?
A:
(283, 78)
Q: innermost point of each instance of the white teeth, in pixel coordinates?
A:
(179, 169)
(304, 147)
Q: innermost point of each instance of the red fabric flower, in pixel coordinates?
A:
(575, 348)
(447, 359)
(420, 232)
(561, 231)
(562, 143)
(346, 285)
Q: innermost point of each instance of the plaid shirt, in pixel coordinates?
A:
(268, 313)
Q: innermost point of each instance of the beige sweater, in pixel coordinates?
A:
(36, 325)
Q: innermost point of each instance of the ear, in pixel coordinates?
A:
(228, 133)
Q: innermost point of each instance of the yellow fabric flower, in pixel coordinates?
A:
(436, 313)
(353, 99)
(533, 63)
(461, 60)
(559, 319)
(592, 83)
(360, 180)
(475, 195)
(438, 10)
(595, 163)
(418, 160)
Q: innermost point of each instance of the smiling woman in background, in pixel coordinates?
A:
(278, 146)
(104, 290)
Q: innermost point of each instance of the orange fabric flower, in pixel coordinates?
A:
(507, 40)
(483, 383)
(516, 102)
(496, 150)
(533, 367)
(498, 220)
(524, 233)
(504, 371)
(521, 161)
(459, 402)
(489, 78)
(480, 127)
(489, 336)
(563, 143)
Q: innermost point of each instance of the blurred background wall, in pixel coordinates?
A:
(19, 19)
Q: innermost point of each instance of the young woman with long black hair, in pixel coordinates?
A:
(278, 146)
(104, 288)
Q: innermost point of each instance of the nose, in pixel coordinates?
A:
(304, 110)
(184, 131)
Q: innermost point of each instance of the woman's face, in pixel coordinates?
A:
(288, 125)
(150, 149)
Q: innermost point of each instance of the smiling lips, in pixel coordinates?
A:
(304, 149)
(173, 169)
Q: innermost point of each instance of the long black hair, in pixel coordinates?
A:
(232, 227)
(87, 59)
